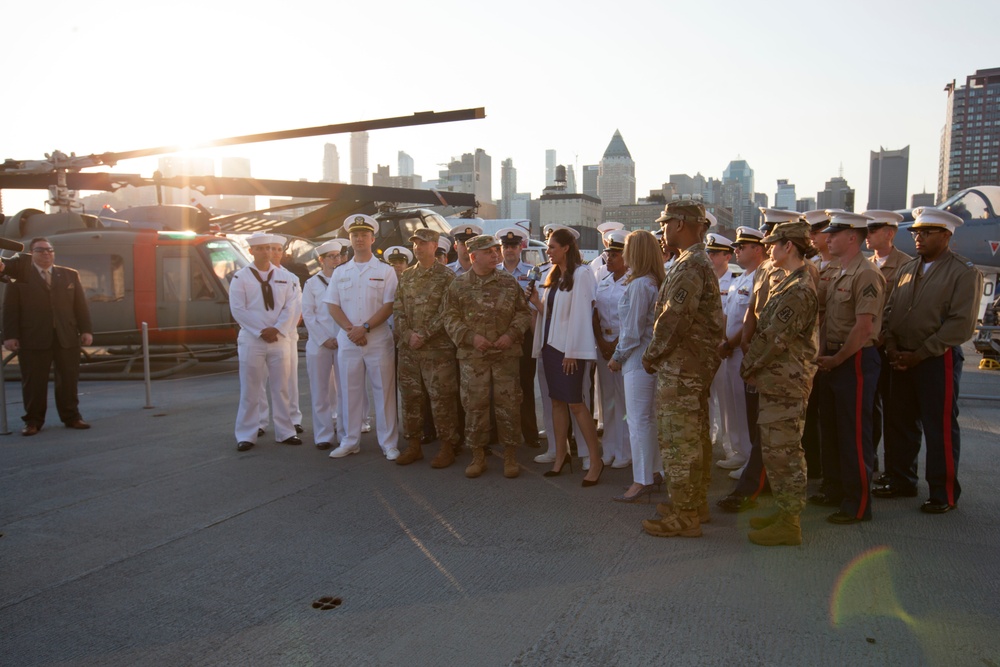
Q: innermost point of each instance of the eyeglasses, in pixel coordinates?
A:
(43, 251)
(925, 232)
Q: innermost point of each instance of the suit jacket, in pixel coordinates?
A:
(41, 317)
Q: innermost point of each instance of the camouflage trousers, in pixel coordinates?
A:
(429, 374)
(781, 421)
(682, 416)
(480, 376)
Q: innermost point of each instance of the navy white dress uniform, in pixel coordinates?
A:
(599, 264)
(931, 313)
(259, 300)
(717, 394)
(398, 253)
(616, 441)
(360, 289)
(462, 232)
(321, 361)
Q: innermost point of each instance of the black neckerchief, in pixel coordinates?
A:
(323, 279)
(265, 288)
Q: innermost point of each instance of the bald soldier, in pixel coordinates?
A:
(931, 313)
(686, 330)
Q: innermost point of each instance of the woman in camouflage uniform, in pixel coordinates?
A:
(781, 364)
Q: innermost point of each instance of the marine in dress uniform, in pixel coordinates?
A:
(265, 302)
(321, 348)
(853, 320)
(607, 328)
(682, 352)
(360, 297)
(486, 316)
(462, 232)
(931, 313)
(427, 370)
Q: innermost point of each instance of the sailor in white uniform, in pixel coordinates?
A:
(720, 253)
(616, 441)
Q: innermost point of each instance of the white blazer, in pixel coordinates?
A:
(572, 328)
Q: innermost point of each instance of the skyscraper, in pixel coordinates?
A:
(887, 179)
(739, 170)
(508, 188)
(570, 179)
(405, 164)
(837, 194)
(590, 172)
(359, 158)
(331, 164)
(970, 140)
(616, 178)
(470, 173)
(550, 167)
(784, 198)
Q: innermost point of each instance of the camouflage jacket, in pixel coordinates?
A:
(783, 349)
(688, 327)
(491, 306)
(419, 306)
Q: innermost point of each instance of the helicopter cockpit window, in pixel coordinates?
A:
(185, 280)
(224, 259)
(970, 207)
(102, 277)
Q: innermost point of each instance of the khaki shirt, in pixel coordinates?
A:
(490, 306)
(687, 326)
(859, 289)
(767, 277)
(930, 313)
(419, 306)
(890, 268)
(826, 276)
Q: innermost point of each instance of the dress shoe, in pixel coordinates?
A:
(732, 462)
(323, 446)
(392, 454)
(79, 425)
(593, 482)
(882, 480)
(845, 519)
(735, 503)
(366, 426)
(619, 464)
(545, 458)
(642, 495)
(260, 432)
(341, 451)
(824, 500)
(294, 440)
(532, 443)
(897, 490)
(244, 445)
(299, 429)
(738, 473)
(585, 464)
(936, 507)
(30, 429)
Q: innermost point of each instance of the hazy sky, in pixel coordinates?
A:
(794, 88)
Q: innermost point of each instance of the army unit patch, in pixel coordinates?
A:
(785, 314)
(681, 296)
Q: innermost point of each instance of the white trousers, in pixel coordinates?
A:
(640, 406)
(616, 434)
(258, 362)
(321, 365)
(293, 385)
(716, 400)
(733, 405)
(550, 431)
(377, 363)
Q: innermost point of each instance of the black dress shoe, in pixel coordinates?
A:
(735, 503)
(294, 440)
(936, 507)
(882, 480)
(243, 445)
(891, 490)
(260, 432)
(845, 519)
(824, 500)
(299, 429)
(323, 445)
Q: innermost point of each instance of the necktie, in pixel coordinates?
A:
(47, 274)
(265, 288)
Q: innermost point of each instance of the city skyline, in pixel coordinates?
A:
(846, 100)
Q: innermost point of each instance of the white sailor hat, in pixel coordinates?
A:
(881, 218)
(444, 243)
(609, 226)
(512, 236)
(333, 246)
(819, 218)
(717, 242)
(615, 239)
(553, 227)
(278, 239)
(748, 235)
(397, 253)
(929, 216)
(465, 230)
(360, 222)
(259, 238)
(777, 215)
(712, 220)
(841, 220)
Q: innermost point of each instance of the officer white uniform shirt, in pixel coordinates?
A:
(360, 289)
(321, 361)
(616, 442)
(260, 361)
(732, 399)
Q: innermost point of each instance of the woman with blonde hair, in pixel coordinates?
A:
(644, 258)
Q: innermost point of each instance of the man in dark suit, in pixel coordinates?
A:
(46, 320)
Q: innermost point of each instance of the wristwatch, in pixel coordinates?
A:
(367, 326)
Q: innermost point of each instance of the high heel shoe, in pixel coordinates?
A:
(555, 473)
(645, 492)
(587, 482)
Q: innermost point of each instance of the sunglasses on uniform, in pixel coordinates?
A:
(42, 250)
(925, 232)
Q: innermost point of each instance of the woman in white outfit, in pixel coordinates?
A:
(646, 274)
(610, 289)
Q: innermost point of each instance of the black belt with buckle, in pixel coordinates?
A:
(834, 347)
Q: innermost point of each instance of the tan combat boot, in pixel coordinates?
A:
(411, 453)
(510, 467)
(478, 465)
(680, 523)
(759, 522)
(704, 516)
(784, 530)
(445, 456)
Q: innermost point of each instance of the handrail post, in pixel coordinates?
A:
(145, 366)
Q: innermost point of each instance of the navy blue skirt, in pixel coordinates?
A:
(562, 387)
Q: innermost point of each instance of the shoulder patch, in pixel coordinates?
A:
(681, 295)
(871, 292)
(785, 314)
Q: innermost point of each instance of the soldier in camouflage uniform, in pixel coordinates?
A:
(426, 367)
(486, 316)
(686, 331)
(780, 363)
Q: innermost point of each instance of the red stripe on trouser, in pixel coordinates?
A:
(949, 454)
(760, 485)
(859, 378)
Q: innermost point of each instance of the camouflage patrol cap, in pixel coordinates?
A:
(686, 210)
(425, 234)
(481, 242)
(789, 231)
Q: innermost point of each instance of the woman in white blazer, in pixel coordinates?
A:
(564, 339)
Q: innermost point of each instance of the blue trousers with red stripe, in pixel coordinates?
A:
(846, 420)
(753, 479)
(923, 401)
